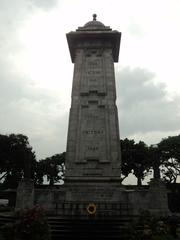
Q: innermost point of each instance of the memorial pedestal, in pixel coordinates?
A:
(25, 194)
(158, 199)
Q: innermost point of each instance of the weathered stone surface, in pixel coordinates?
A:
(154, 200)
(93, 149)
(25, 194)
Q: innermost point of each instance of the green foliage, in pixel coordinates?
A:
(170, 158)
(149, 227)
(139, 159)
(127, 149)
(155, 159)
(30, 224)
(8, 231)
(135, 159)
(52, 167)
(17, 160)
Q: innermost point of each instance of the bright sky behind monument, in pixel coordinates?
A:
(36, 70)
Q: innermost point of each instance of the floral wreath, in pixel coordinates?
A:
(91, 209)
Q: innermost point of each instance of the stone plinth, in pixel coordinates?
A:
(158, 199)
(25, 194)
(93, 191)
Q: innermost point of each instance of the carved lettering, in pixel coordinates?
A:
(90, 116)
(91, 72)
(92, 79)
(92, 148)
(93, 64)
(93, 132)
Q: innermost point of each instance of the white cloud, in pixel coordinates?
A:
(36, 71)
(46, 4)
(144, 107)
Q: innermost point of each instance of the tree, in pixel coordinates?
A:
(135, 159)
(141, 162)
(127, 149)
(170, 158)
(52, 167)
(155, 160)
(17, 160)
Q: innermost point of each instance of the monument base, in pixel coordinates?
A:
(110, 198)
(93, 191)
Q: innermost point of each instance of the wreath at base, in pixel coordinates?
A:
(91, 209)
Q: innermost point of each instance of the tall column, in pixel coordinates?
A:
(93, 149)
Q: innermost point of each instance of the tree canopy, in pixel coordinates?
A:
(135, 159)
(52, 167)
(17, 159)
(163, 158)
(170, 158)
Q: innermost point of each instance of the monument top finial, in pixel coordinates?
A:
(94, 17)
(93, 25)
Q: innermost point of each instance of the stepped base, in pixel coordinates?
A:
(92, 228)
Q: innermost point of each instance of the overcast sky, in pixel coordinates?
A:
(36, 70)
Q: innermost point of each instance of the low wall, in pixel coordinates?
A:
(126, 201)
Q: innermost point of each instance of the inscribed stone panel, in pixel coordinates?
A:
(93, 134)
(92, 77)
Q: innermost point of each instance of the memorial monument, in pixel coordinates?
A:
(93, 153)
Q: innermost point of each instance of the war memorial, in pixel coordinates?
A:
(92, 188)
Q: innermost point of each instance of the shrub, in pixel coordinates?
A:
(7, 231)
(148, 227)
(29, 224)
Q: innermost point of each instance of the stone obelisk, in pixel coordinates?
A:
(93, 149)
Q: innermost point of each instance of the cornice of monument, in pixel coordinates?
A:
(94, 30)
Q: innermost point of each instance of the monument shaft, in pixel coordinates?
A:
(93, 149)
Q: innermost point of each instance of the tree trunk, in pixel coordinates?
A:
(51, 182)
(139, 182)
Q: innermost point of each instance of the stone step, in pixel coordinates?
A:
(110, 228)
(61, 227)
(6, 219)
(87, 237)
(73, 228)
